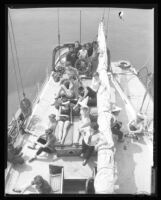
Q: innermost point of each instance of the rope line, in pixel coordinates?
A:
(17, 59)
(14, 66)
(58, 31)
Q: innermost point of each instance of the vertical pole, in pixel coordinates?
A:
(80, 26)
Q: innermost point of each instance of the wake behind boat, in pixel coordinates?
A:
(117, 152)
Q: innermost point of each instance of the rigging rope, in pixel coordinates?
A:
(17, 59)
(58, 31)
(14, 66)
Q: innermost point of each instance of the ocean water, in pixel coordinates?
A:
(36, 32)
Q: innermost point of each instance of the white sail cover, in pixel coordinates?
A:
(104, 180)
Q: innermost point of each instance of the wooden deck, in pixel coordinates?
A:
(133, 165)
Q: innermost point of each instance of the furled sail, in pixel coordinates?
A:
(104, 180)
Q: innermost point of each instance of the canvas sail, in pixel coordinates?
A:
(104, 180)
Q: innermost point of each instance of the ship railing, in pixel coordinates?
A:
(15, 124)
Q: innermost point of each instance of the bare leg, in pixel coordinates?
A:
(61, 125)
(66, 125)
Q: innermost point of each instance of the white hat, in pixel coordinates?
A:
(104, 181)
(84, 102)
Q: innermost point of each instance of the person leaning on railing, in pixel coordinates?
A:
(14, 154)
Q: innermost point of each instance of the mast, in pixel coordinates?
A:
(104, 180)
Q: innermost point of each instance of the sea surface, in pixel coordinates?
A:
(36, 34)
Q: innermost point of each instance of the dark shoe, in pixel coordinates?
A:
(32, 159)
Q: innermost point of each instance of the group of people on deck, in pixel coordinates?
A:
(75, 99)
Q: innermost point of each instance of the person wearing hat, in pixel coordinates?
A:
(136, 126)
(49, 147)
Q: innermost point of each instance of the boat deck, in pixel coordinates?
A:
(133, 164)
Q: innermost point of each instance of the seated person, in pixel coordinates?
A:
(87, 92)
(77, 47)
(52, 122)
(67, 89)
(71, 56)
(14, 154)
(95, 82)
(115, 128)
(70, 71)
(82, 54)
(136, 126)
(87, 147)
(89, 49)
(64, 119)
(41, 186)
(49, 147)
(84, 120)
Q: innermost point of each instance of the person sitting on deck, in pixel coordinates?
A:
(71, 56)
(41, 186)
(88, 92)
(89, 49)
(14, 154)
(66, 88)
(52, 125)
(84, 120)
(77, 47)
(87, 147)
(49, 147)
(136, 126)
(64, 119)
(52, 122)
(115, 128)
(70, 71)
(83, 54)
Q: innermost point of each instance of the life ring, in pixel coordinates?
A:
(123, 64)
(26, 107)
(82, 66)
